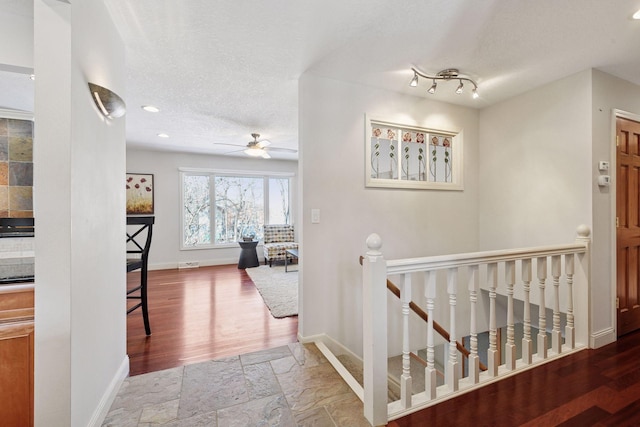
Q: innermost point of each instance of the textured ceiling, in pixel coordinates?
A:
(220, 69)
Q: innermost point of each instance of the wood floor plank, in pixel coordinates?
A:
(592, 387)
(201, 314)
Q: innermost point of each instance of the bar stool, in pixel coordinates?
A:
(134, 241)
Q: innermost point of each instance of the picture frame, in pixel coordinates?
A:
(140, 192)
(412, 157)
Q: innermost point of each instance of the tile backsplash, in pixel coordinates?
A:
(16, 168)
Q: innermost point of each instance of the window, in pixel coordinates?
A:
(240, 201)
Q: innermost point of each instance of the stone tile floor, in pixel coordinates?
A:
(291, 385)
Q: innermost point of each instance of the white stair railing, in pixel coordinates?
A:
(574, 284)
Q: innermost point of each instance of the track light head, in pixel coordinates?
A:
(433, 87)
(414, 80)
(459, 89)
(475, 93)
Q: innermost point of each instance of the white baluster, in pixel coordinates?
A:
(510, 346)
(542, 315)
(474, 360)
(527, 343)
(430, 373)
(492, 352)
(452, 289)
(406, 389)
(556, 335)
(569, 330)
(374, 337)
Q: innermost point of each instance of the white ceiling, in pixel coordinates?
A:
(221, 69)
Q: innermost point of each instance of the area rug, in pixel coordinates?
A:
(279, 290)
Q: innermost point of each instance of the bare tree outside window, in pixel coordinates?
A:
(197, 224)
(239, 207)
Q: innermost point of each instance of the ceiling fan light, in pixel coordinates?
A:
(254, 152)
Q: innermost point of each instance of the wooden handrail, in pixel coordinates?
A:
(423, 315)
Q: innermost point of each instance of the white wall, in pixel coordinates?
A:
(16, 39)
(410, 222)
(165, 247)
(609, 93)
(538, 169)
(79, 157)
(535, 157)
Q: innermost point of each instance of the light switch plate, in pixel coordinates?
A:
(315, 216)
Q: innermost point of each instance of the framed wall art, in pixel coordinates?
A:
(139, 194)
(407, 156)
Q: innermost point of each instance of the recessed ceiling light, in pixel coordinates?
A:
(163, 135)
(636, 15)
(150, 108)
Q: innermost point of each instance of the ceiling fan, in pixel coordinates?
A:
(260, 148)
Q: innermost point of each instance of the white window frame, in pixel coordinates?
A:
(212, 173)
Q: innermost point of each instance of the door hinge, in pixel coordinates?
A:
(617, 222)
(617, 140)
(617, 303)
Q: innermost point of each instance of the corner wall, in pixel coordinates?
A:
(410, 222)
(79, 158)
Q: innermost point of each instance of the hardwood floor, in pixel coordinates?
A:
(593, 387)
(201, 314)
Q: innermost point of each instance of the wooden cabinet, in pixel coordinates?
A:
(16, 355)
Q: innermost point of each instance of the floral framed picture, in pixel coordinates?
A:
(414, 157)
(139, 194)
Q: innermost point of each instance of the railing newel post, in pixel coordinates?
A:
(375, 333)
(582, 288)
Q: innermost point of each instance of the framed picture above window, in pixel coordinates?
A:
(139, 194)
(407, 156)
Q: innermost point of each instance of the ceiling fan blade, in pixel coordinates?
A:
(224, 143)
(263, 143)
(266, 155)
(231, 152)
(284, 150)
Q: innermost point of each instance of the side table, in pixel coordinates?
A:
(248, 254)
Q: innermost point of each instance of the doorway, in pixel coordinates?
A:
(627, 225)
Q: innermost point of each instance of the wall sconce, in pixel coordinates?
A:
(109, 104)
(448, 74)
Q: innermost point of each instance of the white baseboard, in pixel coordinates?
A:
(334, 346)
(207, 263)
(602, 338)
(110, 394)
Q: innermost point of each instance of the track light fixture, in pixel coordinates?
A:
(448, 74)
